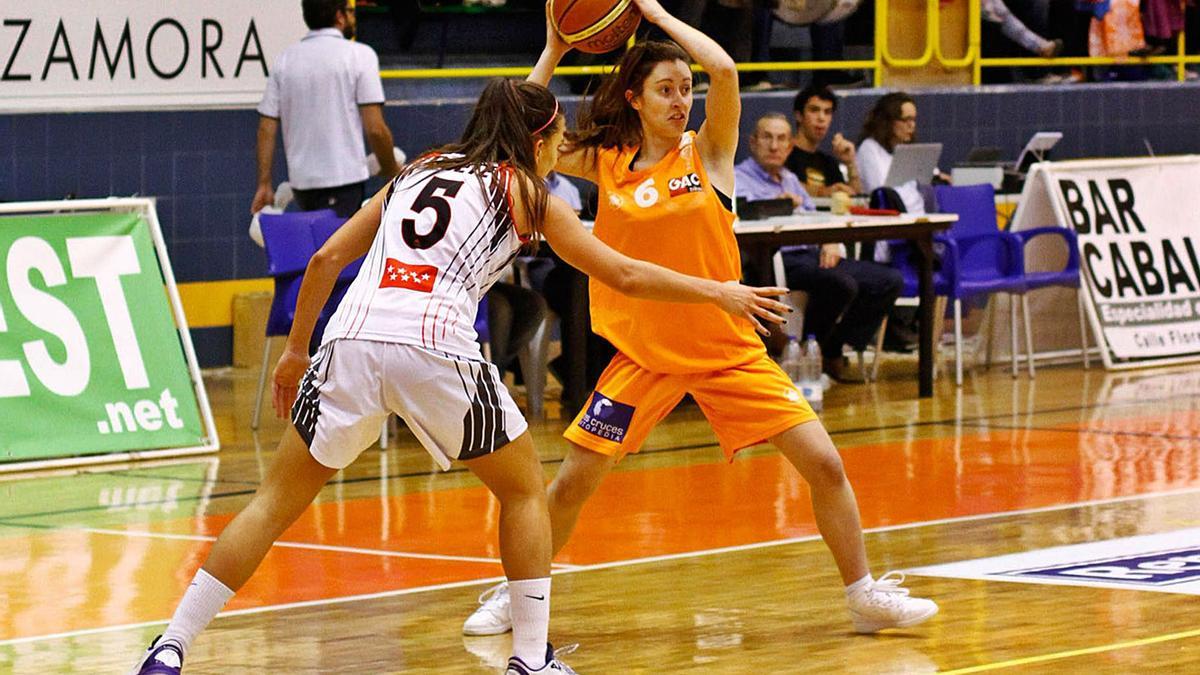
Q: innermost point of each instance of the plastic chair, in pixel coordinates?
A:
(798, 301)
(1067, 277)
(290, 240)
(978, 259)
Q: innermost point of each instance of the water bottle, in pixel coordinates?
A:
(791, 360)
(810, 373)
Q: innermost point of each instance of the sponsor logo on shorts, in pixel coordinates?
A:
(685, 184)
(1147, 569)
(606, 418)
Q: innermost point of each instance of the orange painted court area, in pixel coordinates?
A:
(637, 513)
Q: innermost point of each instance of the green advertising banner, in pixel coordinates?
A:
(91, 360)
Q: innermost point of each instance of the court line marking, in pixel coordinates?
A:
(1099, 649)
(604, 566)
(301, 545)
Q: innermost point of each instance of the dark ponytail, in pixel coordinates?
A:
(607, 120)
(509, 116)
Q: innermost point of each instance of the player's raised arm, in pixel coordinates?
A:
(718, 136)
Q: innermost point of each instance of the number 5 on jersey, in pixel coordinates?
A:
(430, 199)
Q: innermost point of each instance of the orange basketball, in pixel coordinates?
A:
(595, 26)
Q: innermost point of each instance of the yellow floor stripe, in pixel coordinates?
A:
(1075, 652)
(208, 304)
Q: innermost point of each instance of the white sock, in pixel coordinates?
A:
(861, 584)
(203, 599)
(530, 619)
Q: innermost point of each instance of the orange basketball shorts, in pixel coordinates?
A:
(746, 405)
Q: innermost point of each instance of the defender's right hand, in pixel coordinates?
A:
(755, 304)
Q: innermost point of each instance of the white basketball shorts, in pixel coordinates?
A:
(458, 408)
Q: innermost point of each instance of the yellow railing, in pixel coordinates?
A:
(932, 53)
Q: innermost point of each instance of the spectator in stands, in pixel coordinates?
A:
(324, 91)
(556, 288)
(821, 173)
(515, 312)
(890, 122)
(565, 190)
(763, 175)
(847, 299)
(995, 11)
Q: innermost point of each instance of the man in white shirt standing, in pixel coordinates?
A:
(324, 91)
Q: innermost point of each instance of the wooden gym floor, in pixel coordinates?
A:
(681, 563)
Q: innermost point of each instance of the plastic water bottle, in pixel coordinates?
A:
(791, 361)
(810, 373)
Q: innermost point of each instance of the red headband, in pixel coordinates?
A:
(553, 116)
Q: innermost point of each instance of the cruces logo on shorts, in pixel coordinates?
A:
(606, 418)
(685, 184)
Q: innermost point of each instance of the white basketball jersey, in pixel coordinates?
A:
(446, 236)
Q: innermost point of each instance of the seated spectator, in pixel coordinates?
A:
(514, 314)
(820, 172)
(890, 122)
(556, 280)
(847, 299)
(762, 175)
(565, 190)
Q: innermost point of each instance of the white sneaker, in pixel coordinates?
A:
(885, 604)
(493, 616)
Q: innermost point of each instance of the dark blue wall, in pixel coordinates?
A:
(200, 164)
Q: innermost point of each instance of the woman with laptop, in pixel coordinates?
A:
(891, 122)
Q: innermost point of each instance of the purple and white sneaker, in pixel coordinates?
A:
(553, 666)
(160, 659)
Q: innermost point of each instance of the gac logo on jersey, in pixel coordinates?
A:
(685, 184)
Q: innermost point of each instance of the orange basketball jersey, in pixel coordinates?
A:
(669, 214)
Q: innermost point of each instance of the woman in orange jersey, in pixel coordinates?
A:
(664, 197)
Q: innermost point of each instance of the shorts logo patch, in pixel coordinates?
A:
(685, 184)
(606, 418)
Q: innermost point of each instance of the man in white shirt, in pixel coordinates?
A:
(324, 91)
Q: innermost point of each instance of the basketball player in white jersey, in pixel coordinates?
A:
(402, 341)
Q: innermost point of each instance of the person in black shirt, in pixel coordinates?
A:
(821, 172)
(847, 299)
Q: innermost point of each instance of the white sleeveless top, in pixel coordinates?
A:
(446, 236)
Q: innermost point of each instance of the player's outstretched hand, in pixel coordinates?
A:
(285, 382)
(755, 304)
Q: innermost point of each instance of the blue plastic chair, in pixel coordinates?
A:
(290, 240)
(977, 259)
(1067, 277)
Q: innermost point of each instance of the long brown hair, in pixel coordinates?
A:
(881, 116)
(607, 120)
(509, 116)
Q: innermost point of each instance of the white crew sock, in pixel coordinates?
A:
(530, 608)
(861, 584)
(203, 599)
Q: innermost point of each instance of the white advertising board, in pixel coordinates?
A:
(68, 55)
(1137, 222)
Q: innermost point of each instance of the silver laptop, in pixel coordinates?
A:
(913, 161)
